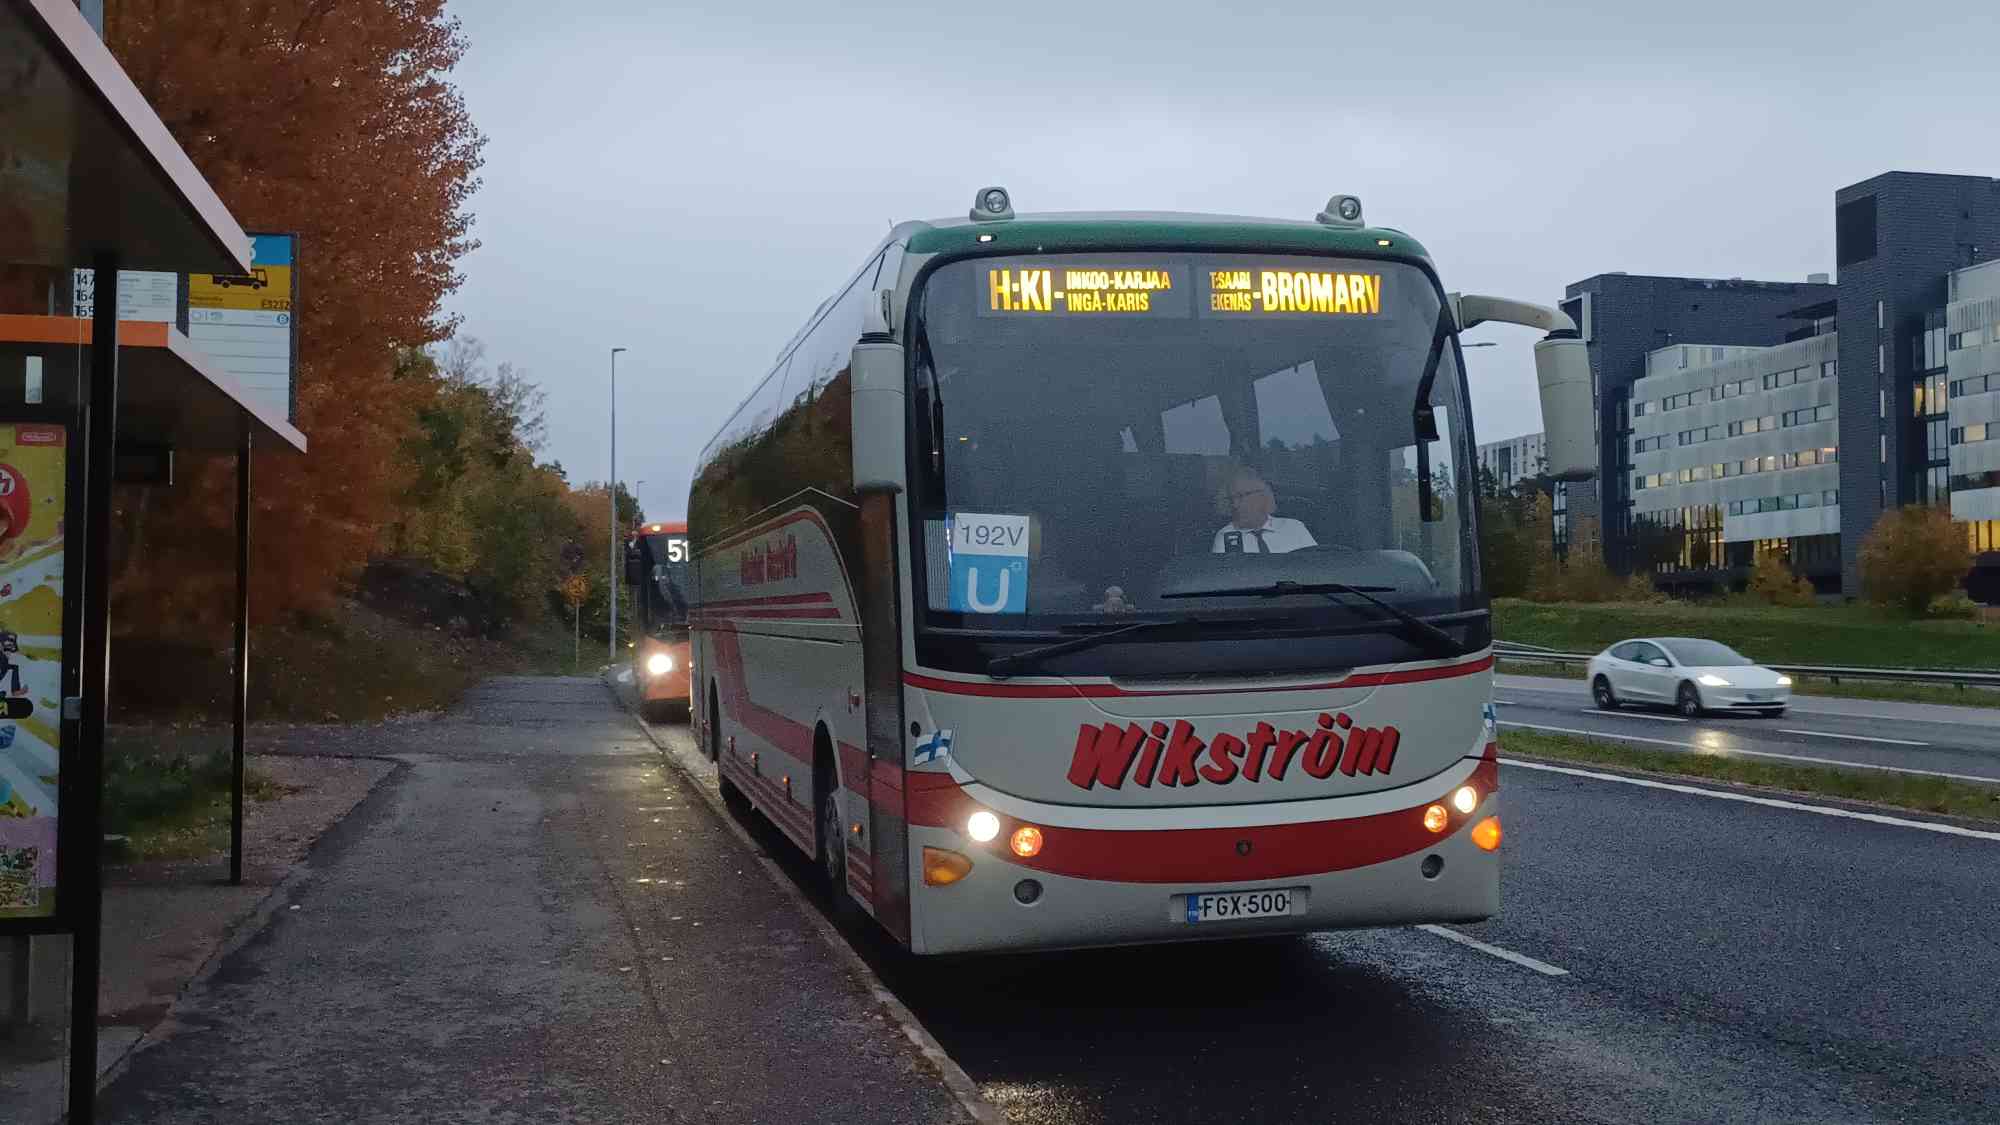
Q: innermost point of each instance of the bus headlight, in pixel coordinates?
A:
(1026, 841)
(1435, 818)
(659, 664)
(1465, 799)
(982, 826)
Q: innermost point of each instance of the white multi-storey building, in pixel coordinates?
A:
(1514, 459)
(1737, 447)
(1971, 354)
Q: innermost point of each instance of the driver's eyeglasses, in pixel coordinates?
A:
(1249, 493)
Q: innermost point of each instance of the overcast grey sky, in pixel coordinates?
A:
(690, 184)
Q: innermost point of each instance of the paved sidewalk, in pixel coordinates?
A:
(536, 920)
(164, 920)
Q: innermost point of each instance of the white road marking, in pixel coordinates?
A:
(1769, 802)
(1521, 959)
(1760, 753)
(1602, 734)
(1504, 702)
(1853, 737)
(1630, 715)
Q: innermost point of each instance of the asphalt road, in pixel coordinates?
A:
(1660, 956)
(1904, 736)
(537, 919)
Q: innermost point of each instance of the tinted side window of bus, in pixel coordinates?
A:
(793, 434)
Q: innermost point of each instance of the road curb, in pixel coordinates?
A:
(962, 1088)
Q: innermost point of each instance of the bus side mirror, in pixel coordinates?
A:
(1562, 367)
(635, 571)
(876, 404)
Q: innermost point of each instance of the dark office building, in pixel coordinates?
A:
(1733, 412)
(1898, 237)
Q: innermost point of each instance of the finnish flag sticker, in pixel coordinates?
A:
(936, 748)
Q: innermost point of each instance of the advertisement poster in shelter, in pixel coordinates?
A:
(33, 483)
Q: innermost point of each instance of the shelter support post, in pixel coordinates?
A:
(20, 982)
(241, 717)
(83, 774)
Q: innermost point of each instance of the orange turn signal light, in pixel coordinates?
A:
(1026, 841)
(1487, 833)
(942, 868)
(1436, 819)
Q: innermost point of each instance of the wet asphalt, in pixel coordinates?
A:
(537, 919)
(1720, 961)
(532, 920)
(1955, 741)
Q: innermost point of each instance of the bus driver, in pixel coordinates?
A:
(1252, 528)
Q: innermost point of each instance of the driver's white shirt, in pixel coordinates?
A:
(1278, 535)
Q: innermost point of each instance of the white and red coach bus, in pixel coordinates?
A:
(1092, 579)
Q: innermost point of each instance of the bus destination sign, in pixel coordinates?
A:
(1312, 292)
(1085, 290)
(1161, 290)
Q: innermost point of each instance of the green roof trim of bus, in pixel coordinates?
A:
(1044, 234)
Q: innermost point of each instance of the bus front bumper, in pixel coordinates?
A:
(1450, 879)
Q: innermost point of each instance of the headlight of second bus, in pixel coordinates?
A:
(659, 664)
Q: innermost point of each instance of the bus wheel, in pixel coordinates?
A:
(832, 832)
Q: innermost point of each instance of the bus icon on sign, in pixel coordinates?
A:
(257, 278)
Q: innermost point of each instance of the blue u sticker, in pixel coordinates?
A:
(989, 562)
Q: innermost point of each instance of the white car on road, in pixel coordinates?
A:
(1692, 676)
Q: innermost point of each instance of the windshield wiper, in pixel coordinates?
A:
(1416, 628)
(1021, 661)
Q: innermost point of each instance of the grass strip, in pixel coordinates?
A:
(1895, 790)
(176, 806)
(1856, 635)
(1946, 694)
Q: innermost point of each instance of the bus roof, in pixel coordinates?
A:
(1119, 230)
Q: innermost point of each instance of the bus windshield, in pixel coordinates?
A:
(1174, 434)
(664, 566)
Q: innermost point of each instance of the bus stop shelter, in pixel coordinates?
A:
(91, 178)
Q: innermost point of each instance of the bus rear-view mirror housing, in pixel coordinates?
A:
(1562, 368)
(876, 403)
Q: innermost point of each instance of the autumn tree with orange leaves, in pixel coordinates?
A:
(333, 119)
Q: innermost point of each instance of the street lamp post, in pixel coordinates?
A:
(611, 491)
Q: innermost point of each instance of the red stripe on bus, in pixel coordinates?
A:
(775, 599)
(790, 737)
(798, 613)
(853, 767)
(1203, 855)
(993, 690)
(889, 774)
